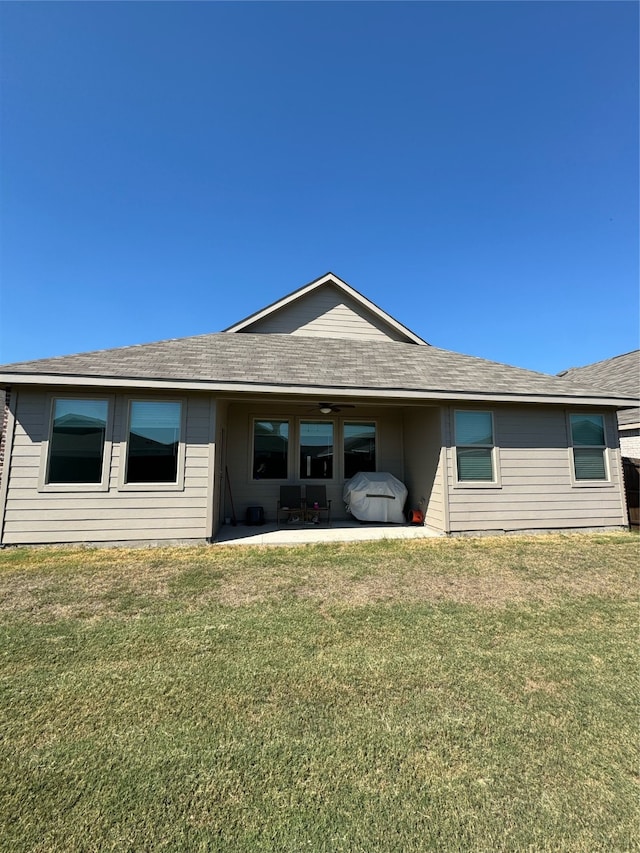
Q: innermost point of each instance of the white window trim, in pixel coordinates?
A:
(607, 483)
(496, 482)
(103, 485)
(178, 485)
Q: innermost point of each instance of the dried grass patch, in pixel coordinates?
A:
(488, 572)
(310, 721)
(484, 572)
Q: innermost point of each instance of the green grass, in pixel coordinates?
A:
(446, 695)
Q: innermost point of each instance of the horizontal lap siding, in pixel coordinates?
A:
(326, 313)
(536, 487)
(34, 517)
(436, 513)
(424, 464)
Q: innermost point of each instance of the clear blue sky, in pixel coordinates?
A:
(169, 168)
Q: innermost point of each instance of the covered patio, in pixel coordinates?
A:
(342, 530)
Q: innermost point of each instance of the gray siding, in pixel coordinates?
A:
(38, 517)
(536, 490)
(326, 313)
(424, 462)
(249, 492)
(413, 443)
(218, 509)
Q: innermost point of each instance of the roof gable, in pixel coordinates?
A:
(327, 308)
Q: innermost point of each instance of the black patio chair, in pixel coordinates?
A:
(290, 505)
(316, 504)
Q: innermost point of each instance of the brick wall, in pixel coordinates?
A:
(630, 443)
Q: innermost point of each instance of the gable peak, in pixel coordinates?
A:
(271, 318)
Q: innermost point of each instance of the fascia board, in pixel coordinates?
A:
(382, 315)
(319, 390)
(280, 303)
(376, 310)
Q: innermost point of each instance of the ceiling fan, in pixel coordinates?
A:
(330, 408)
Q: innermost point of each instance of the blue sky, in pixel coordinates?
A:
(169, 168)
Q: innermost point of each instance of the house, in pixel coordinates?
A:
(137, 443)
(622, 375)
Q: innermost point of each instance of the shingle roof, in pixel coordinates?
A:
(292, 361)
(621, 374)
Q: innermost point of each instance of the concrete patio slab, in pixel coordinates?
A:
(340, 531)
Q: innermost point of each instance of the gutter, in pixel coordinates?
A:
(64, 380)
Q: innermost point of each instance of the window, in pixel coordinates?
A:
(270, 450)
(77, 442)
(474, 446)
(316, 450)
(588, 440)
(153, 443)
(359, 448)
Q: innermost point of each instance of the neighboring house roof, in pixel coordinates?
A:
(291, 364)
(621, 374)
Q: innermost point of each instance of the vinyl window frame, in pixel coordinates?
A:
(336, 435)
(107, 448)
(576, 483)
(290, 444)
(293, 458)
(178, 485)
(344, 421)
(496, 481)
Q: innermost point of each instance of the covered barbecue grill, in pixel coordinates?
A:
(376, 496)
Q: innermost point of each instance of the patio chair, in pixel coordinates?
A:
(290, 505)
(316, 504)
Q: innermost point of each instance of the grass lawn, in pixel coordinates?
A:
(446, 695)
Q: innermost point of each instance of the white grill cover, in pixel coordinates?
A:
(375, 496)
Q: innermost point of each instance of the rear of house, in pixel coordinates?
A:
(153, 442)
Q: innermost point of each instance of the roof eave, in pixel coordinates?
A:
(213, 386)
